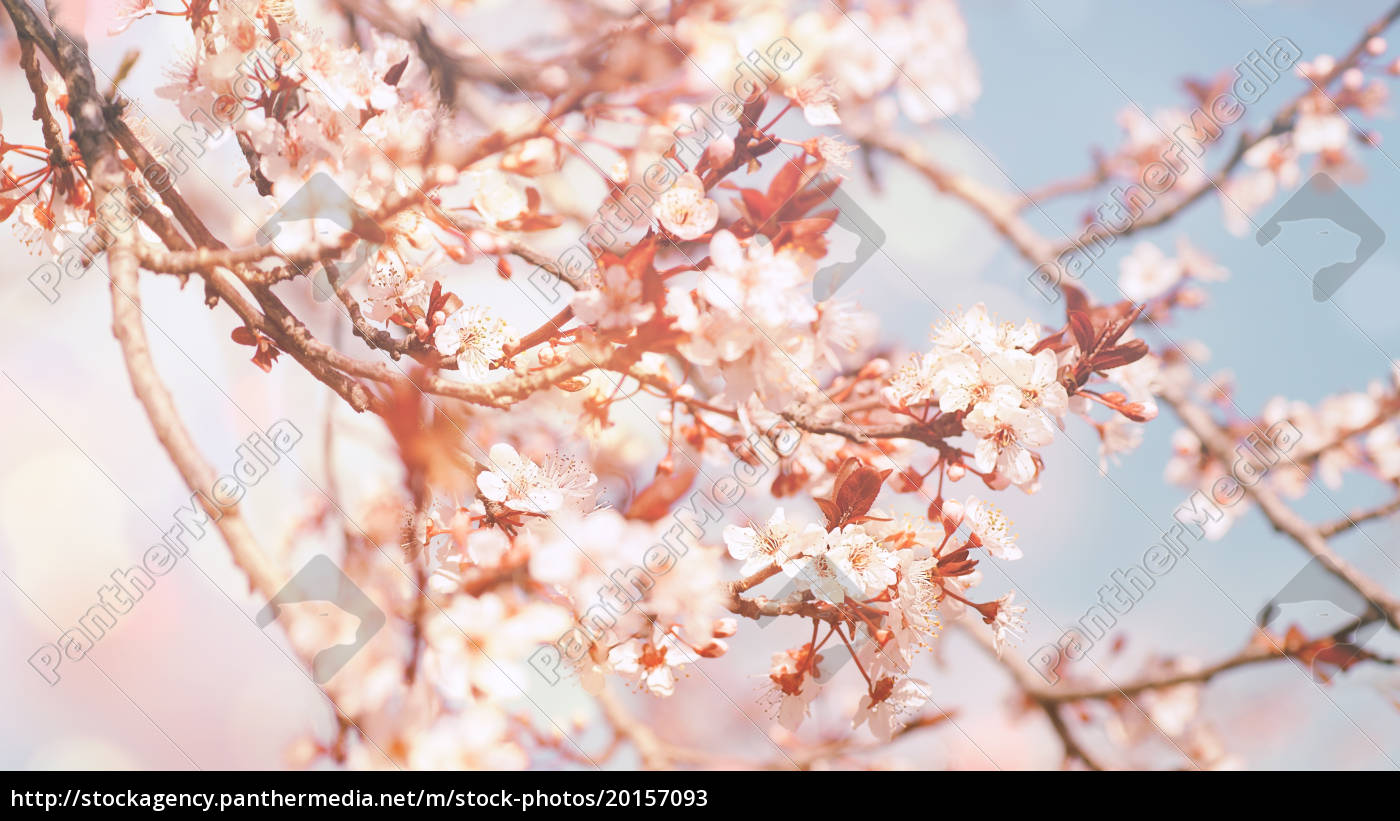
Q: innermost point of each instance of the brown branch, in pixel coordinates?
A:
(655, 752)
(108, 180)
(53, 134)
(1260, 650)
(1049, 706)
(1359, 517)
(1000, 209)
(934, 433)
(1220, 446)
(997, 208)
(1255, 653)
(1075, 185)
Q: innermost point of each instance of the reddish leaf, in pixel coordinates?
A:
(786, 181)
(1082, 330)
(758, 206)
(395, 72)
(655, 500)
(1120, 355)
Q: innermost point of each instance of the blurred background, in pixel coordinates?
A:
(188, 680)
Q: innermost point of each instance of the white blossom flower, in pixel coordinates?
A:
(762, 547)
(974, 331)
(1147, 273)
(653, 663)
(1009, 623)
(915, 381)
(814, 571)
(991, 529)
(893, 697)
(1117, 435)
(817, 99)
(1035, 375)
(685, 210)
(475, 338)
(794, 676)
(560, 483)
(616, 304)
(392, 288)
(1007, 431)
(128, 12)
(1315, 133)
(496, 198)
(863, 568)
(755, 278)
(843, 327)
(834, 151)
(917, 597)
(961, 383)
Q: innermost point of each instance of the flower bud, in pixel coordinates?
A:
(720, 151)
(712, 649)
(875, 368)
(724, 628)
(953, 515)
(553, 80)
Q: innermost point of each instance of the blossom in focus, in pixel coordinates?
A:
(559, 483)
(761, 547)
(476, 339)
(991, 529)
(862, 566)
(1008, 624)
(653, 663)
(1007, 433)
(892, 698)
(392, 288)
(685, 210)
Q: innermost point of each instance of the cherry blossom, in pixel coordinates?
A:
(654, 663)
(475, 338)
(616, 304)
(763, 546)
(684, 210)
(556, 484)
(890, 700)
(991, 529)
(1148, 273)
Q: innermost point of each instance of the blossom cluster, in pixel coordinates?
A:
(1347, 433)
